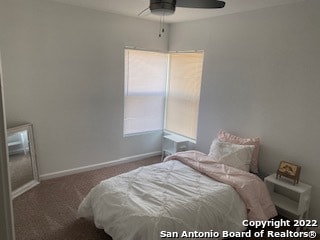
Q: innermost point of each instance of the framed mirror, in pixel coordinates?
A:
(23, 168)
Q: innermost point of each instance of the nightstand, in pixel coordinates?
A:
(294, 199)
(173, 143)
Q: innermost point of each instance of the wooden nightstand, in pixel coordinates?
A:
(173, 143)
(294, 199)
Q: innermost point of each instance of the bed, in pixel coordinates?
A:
(190, 191)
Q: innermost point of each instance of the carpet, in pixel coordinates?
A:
(49, 210)
(20, 168)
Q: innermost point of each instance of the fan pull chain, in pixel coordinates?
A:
(161, 27)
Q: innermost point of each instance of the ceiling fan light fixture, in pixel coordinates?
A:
(162, 8)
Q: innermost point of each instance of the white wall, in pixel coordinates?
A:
(64, 72)
(261, 78)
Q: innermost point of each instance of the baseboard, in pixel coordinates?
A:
(98, 166)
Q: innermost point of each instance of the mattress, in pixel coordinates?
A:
(156, 200)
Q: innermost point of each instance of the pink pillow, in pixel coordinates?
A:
(227, 137)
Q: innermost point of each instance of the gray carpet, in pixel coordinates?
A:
(49, 211)
(20, 169)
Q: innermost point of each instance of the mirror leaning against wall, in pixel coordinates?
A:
(23, 168)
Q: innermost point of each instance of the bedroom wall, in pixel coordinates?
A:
(261, 78)
(64, 71)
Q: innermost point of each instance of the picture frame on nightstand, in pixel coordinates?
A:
(289, 170)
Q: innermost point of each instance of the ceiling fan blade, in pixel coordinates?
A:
(200, 3)
(144, 12)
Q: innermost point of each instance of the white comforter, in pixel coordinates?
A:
(168, 196)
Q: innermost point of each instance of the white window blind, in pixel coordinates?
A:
(183, 93)
(145, 86)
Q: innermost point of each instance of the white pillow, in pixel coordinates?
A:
(233, 155)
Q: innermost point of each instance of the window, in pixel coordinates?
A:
(183, 94)
(162, 91)
(145, 85)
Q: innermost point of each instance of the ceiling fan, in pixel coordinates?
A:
(168, 7)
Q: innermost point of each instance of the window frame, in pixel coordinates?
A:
(163, 96)
(166, 92)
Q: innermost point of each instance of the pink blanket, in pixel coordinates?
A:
(251, 188)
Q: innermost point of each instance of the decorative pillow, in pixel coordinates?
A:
(227, 137)
(233, 155)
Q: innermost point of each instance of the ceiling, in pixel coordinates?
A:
(134, 7)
